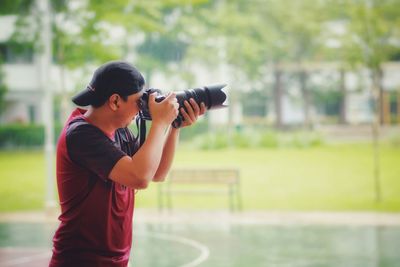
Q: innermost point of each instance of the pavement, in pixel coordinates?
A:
(40, 256)
(217, 217)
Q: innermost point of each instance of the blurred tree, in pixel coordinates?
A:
(73, 30)
(371, 39)
(253, 102)
(343, 97)
(98, 31)
(157, 51)
(372, 34)
(11, 7)
(257, 36)
(226, 37)
(151, 31)
(302, 22)
(327, 101)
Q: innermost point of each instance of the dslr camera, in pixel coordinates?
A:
(212, 96)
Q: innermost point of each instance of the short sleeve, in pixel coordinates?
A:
(90, 148)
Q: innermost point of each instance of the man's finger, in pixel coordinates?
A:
(190, 111)
(171, 95)
(186, 116)
(195, 107)
(152, 97)
(202, 108)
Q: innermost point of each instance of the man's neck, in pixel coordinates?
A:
(101, 120)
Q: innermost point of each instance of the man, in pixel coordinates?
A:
(100, 165)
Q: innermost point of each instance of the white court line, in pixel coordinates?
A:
(25, 260)
(204, 251)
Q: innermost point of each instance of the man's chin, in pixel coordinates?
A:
(128, 123)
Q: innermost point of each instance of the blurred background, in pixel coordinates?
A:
(312, 127)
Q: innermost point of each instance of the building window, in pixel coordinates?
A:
(16, 53)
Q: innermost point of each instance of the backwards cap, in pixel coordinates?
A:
(114, 77)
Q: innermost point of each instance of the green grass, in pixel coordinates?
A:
(22, 180)
(326, 177)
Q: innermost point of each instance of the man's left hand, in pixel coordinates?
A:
(193, 112)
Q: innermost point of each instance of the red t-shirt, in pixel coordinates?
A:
(96, 212)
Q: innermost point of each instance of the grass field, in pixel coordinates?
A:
(336, 177)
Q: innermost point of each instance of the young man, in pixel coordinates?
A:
(100, 165)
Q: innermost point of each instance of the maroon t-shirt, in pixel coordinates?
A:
(96, 212)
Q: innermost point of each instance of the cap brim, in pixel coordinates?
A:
(83, 98)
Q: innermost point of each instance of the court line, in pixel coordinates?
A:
(204, 250)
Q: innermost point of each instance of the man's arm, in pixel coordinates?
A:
(167, 155)
(194, 111)
(137, 171)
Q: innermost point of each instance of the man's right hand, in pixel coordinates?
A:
(164, 112)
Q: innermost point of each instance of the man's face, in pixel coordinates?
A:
(128, 109)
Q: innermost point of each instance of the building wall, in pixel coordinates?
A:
(22, 107)
(23, 98)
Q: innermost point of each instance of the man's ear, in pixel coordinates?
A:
(113, 102)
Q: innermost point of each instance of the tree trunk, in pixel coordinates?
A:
(343, 98)
(386, 107)
(303, 76)
(376, 92)
(278, 94)
(378, 78)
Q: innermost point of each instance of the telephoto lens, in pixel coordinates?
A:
(212, 96)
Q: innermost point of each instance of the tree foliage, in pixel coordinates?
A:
(252, 36)
(372, 31)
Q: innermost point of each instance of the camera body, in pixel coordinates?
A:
(212, 96)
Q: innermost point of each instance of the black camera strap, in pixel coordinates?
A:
(141, 126)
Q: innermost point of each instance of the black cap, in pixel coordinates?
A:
(114, 77)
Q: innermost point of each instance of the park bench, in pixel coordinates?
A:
(201, 182)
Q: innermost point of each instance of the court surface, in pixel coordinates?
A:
(211, 242)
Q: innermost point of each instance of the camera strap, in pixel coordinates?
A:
(141, 126)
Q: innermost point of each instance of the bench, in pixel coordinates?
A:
(201, 182)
